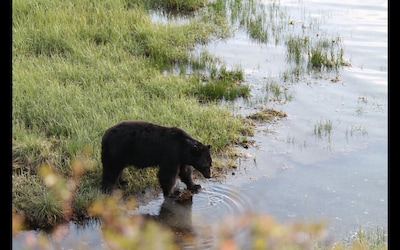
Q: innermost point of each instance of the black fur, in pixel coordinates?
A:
(142, 144)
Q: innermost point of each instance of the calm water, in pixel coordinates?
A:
(292, 173)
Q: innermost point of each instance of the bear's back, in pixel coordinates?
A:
(142, 135)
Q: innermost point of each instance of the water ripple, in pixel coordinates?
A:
(217, 201)
(195, 222)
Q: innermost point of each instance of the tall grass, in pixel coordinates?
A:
(222, 84)
(180, 6)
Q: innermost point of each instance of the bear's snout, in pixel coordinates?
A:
(207, 174)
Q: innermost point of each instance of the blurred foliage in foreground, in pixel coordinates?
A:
(123, 230)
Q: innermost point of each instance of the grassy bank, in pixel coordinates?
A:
(81, 66)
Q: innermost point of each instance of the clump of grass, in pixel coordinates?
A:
(296, 47)
(364, 238)
(266, 115)
(277, 92)
(356, 130)
(323, 129)
(52, 194)
(322, 54)
(40, 208)
(253, 17)
(178, 5)
(326, 54)
(257, 31)
(222, 84)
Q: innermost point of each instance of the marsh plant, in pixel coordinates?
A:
(323, 129)
(307, 48)
(277, 92)
(356, 130)
(267, 115)
(290, 140)
(222, 84)
(175, 5)
(321, 54)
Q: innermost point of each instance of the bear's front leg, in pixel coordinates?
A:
(185, 174)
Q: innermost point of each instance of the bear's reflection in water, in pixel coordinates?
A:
(177, 216)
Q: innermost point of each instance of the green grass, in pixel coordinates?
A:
(318, 54)
(267, 115)
(173, 6)
(222, 84)
(323, 129)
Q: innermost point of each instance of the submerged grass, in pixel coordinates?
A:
(318, 54)
(323, 129)
(180, 6)
(267, 115)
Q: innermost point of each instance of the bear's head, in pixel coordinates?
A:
(200, 159)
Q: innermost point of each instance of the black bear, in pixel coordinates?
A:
(143, 144)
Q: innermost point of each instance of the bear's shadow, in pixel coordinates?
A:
(177, 216)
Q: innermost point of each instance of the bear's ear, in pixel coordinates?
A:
(195, 149)
(208, 146)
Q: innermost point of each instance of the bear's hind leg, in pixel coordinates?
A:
(185, 174)
(109, 178)
(167, 179)
(122, 181)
